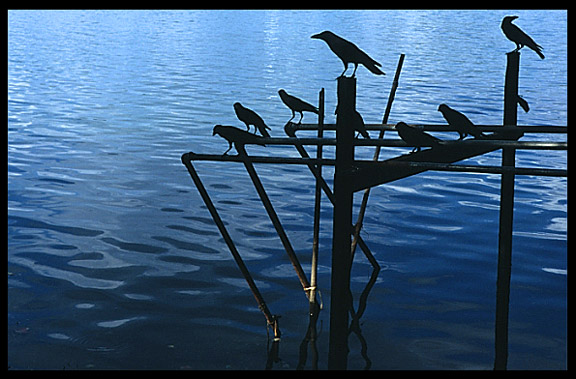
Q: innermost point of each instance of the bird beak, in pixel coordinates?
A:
(514, 17)
(316, 36)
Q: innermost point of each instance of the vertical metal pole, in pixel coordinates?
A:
(317, 207)
(342, 219)
(506, 217)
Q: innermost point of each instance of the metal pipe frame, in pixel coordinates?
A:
(432, 166)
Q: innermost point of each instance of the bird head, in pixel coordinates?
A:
(216, 130)
(323, 36)
(281, 92)
(401, 125)
(442, 107)
(509, 18)
(237, 105)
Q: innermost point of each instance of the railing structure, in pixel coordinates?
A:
(352, 175)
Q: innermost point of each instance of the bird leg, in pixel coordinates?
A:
(301, 117)
(229, 148)
(345, 68)
(355, 68)
(293, 115)
(518, 47)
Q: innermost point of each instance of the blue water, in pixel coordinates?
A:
(114, 262)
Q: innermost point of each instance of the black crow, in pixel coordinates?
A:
(296, 105)
(459, 122)
(236, 136)
(516, 35)
(349, 53)
(249, 117)
(358, 123)
(416, 137)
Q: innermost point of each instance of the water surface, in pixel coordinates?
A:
(114, 262)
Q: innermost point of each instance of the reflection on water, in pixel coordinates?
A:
(114, 262)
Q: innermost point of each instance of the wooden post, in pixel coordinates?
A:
(342, 220)
(506, 217)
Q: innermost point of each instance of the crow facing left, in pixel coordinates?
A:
(236, 136)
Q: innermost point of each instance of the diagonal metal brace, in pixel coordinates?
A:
(270, 318)
(274, 217)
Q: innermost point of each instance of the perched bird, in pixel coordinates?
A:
(249, 117)
(358, 123)
(296, 105)
(459, 122)
(349, 53)
(236, 136)
(416, 137)
(516, 35)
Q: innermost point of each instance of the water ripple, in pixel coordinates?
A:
(24, 222)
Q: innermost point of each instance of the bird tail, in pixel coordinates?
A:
(262, 128)
(264, 132)
(539, 52)
(373, 69)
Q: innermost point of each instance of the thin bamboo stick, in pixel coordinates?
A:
(366, 196)
(317, 208)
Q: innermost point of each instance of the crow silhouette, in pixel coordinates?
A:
(296, 105)
(516, 35)
(459, 122)
(249, 117)
(416, 137)
(358, 123)
(349, 53)
(236, 136)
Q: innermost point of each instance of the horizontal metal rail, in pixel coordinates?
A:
(492, 143)
(447, 128)
(434, 166)
(485, 169)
